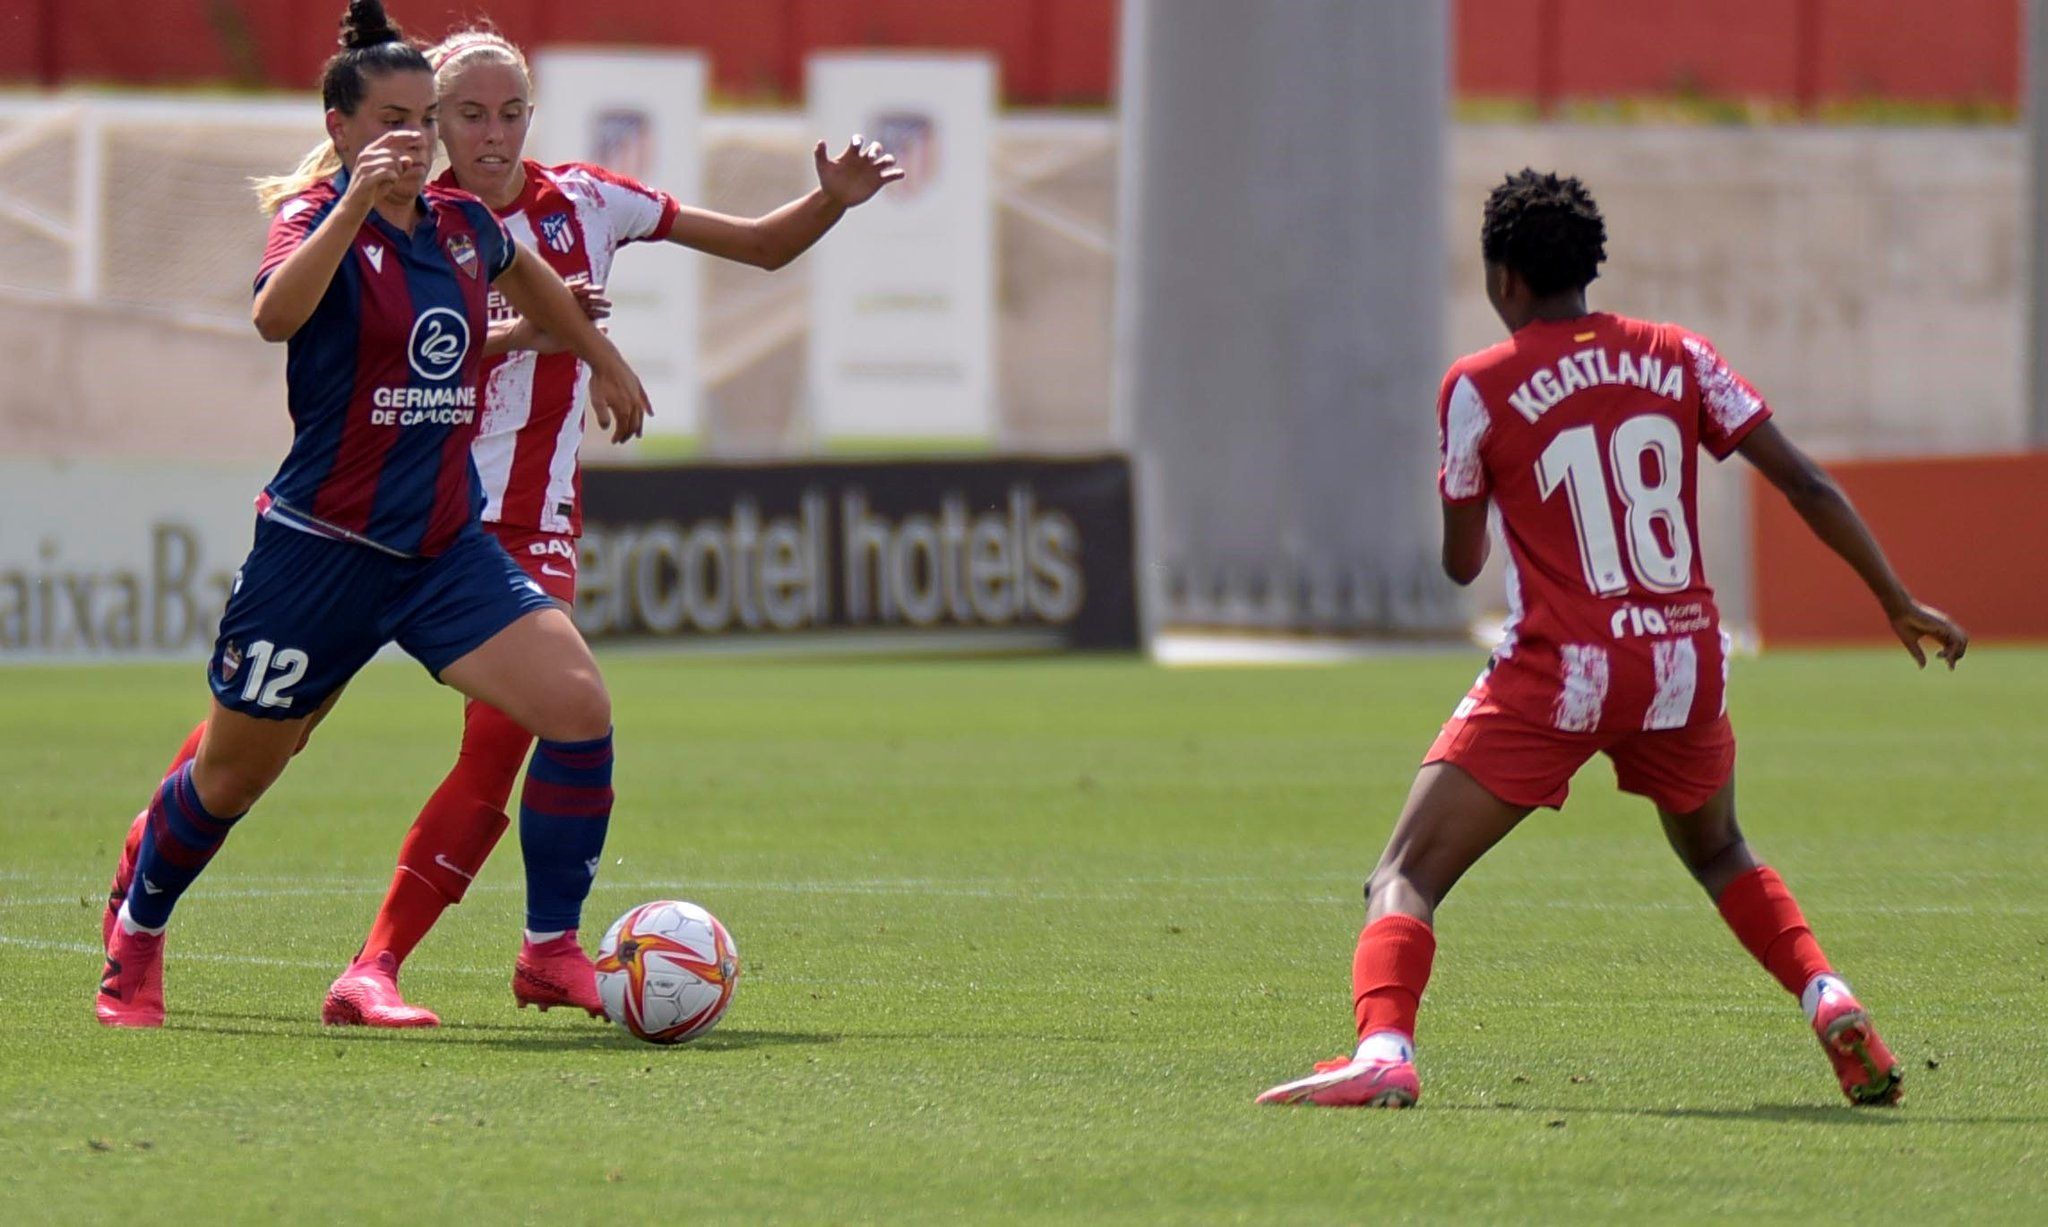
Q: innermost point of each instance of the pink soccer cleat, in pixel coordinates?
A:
(556, 972)
(124, 874)
(1865, 1067)
(132, 985)
(366, 995)
(1352, 1082)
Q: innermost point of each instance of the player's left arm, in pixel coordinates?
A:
(538, 293)
(1833, 519)
(1466, 540)
(517, 333)
(774, 239)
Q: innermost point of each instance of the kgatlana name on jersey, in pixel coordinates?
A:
(424, 406)
(1589, 368)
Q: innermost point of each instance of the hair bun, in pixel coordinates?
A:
(366, 25)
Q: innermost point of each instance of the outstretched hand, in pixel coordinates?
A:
(861, 170)
(1916, 623)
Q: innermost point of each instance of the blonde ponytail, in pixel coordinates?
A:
(322, 163)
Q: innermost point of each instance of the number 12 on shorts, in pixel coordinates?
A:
(290, 664)
(1573, 461)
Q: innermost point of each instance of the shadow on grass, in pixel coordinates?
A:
(1782, 1113)
(536, 1038)
(567, 1031)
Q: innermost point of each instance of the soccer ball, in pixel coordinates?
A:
(666, 971)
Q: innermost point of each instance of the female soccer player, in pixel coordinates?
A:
(369, 531)
(1580, 430)
(576, 216)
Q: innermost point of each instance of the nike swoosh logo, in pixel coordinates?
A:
(151, 887)
(545, 569)
(441, 859)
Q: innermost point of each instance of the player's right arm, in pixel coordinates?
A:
(1833, 519)
(1466, 540)
(292, 291)
(538, 293)
(1461, 480)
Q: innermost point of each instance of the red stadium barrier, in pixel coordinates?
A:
(1064, 51)
(1051, 51)
(1795, 51)
(1964, 532)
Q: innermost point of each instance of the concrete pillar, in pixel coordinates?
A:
(1280, 308)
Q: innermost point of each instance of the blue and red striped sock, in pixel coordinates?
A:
(564, 811)
(178, 841)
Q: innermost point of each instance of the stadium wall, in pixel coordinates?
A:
(1063, 51)
(1871, 281)
(1935, 516)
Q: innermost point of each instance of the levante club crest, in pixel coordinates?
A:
(463, 252)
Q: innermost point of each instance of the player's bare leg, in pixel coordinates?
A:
(124, 870)
(240, 757)
(1766, 919)
(1448, 823)
(539, 671)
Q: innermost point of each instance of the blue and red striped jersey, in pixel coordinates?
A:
(383, 380)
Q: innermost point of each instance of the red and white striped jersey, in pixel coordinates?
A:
(576, 217)
(1585, 434)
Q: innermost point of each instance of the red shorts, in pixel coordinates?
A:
(548, 558)
(1525, 763)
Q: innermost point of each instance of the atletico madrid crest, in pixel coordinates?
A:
(555, 232)
(913, 136)
(463, 252)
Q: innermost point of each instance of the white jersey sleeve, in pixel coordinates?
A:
(636, 212)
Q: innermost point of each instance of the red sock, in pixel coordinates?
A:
(1767, 921)
(454, 834)
(188, 751)
(1389, 972)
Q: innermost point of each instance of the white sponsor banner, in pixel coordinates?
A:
(107, 558)
(902, 295)
(639, 114)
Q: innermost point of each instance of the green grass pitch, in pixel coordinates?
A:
(1022, 940)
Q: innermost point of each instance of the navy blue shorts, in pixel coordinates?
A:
(307, 612)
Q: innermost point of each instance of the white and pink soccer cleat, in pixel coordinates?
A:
(132, 984)
(366, 995)
(1352, 1082)
(1868, 1072)
(556, 972)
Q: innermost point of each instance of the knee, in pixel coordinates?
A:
(1702, 849)
(229, 789)
(583, 712)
